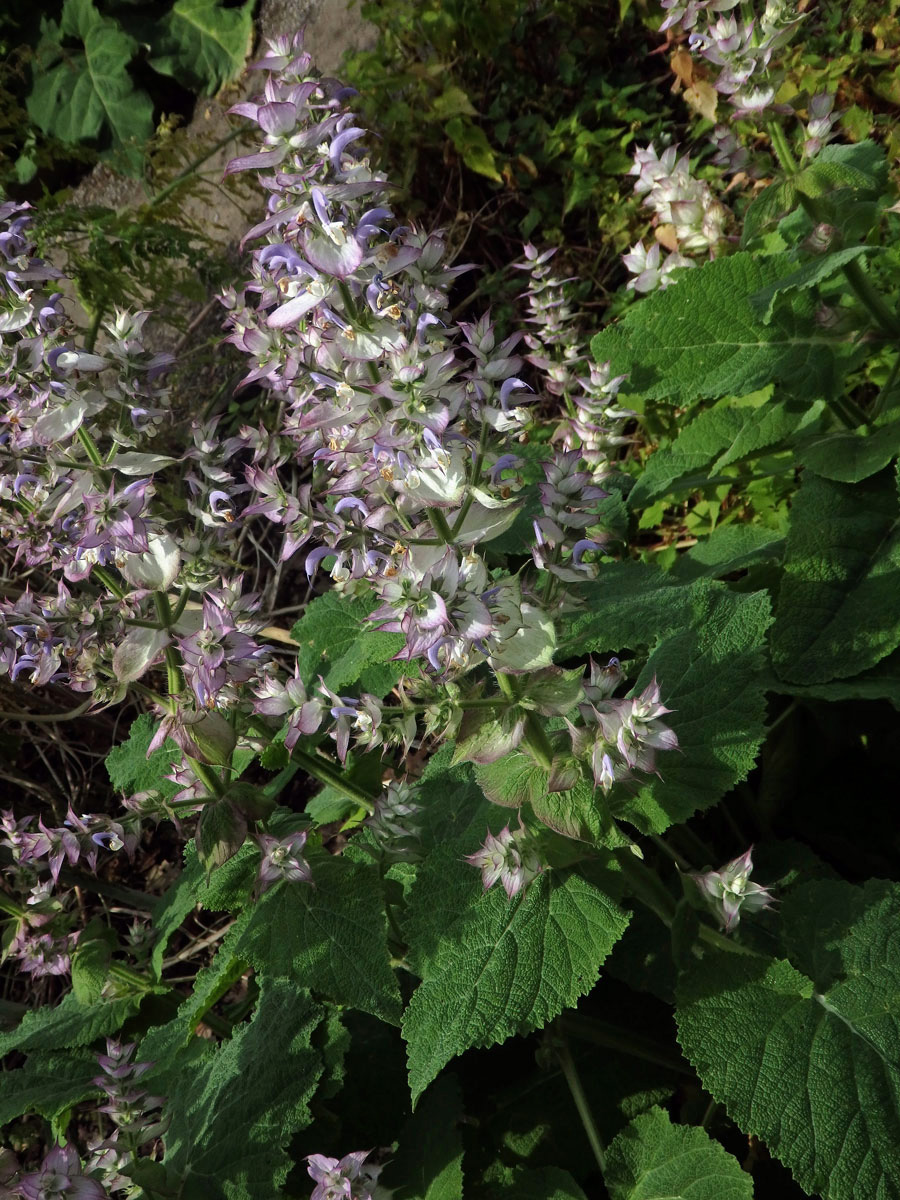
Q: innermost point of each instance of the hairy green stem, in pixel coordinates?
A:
(573, 1080)
(207, 776)
(46, 718)
(441, 526)
(327, 774)
(473, 480)
(91, 337)
(615, 1037)
(133, 979)
(536, 741)
(91, 449)
(191, 169)
(11, 908)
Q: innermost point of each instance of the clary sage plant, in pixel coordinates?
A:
(487, 686)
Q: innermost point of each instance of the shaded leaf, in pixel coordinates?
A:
(838, 608)
(492, 967)
(703, 339)
(655, 1160)
(203, 43)
(810, 1067)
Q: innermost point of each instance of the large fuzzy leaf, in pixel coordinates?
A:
(203, 43)
(234, 1108)
(79, 94)
(655, 1160)
(838, 609)
(712, 675)
(810, 1062)
(704, 339)
(492, 967)
(330, 936)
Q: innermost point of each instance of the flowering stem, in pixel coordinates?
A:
(134, 979)
(207, 777)
(326, 774)
(782, 148)
(91, 449)
(441, 526)
(476, 475)
(613, 1037)
(47, 718)
(109, 582)
(12, 909)
(537, 743)
(581, 1103)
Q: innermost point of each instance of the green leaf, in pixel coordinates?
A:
(631, 605)
(48, 1085)
(330, 937)
(452, 102)
(851, 456)
(548, 1183)
(712, 676)
(79, 94)
(338, 641)
(684, 460)
(820, 178)
(866, 157)
(233, 1109)
(837, 611)
(810, 1065)
(428, 1163)
(767, 209)
(169, 912)
(492, 967)
(655, 1160)
(579, 812)
(473, 147)
(881, 682)
(722, 435)
(728, 548)
(129, 768)
(201, 43)
(67, 1024)
(703, 339)
(221, 831)
(90, 961)
(806, 276)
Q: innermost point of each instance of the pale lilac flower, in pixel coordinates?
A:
(60, 1178)
(282, 860)
(509, 857)
(345, 1179)
(819, 127)
(730, 890)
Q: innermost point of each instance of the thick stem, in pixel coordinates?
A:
(91, 338)
(91, 449)
(329, 775)
(207, 776)
(581, 1102)
(12, 909)
(536, 742)
(615, 1037)
(132, 979)
(441, 526)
